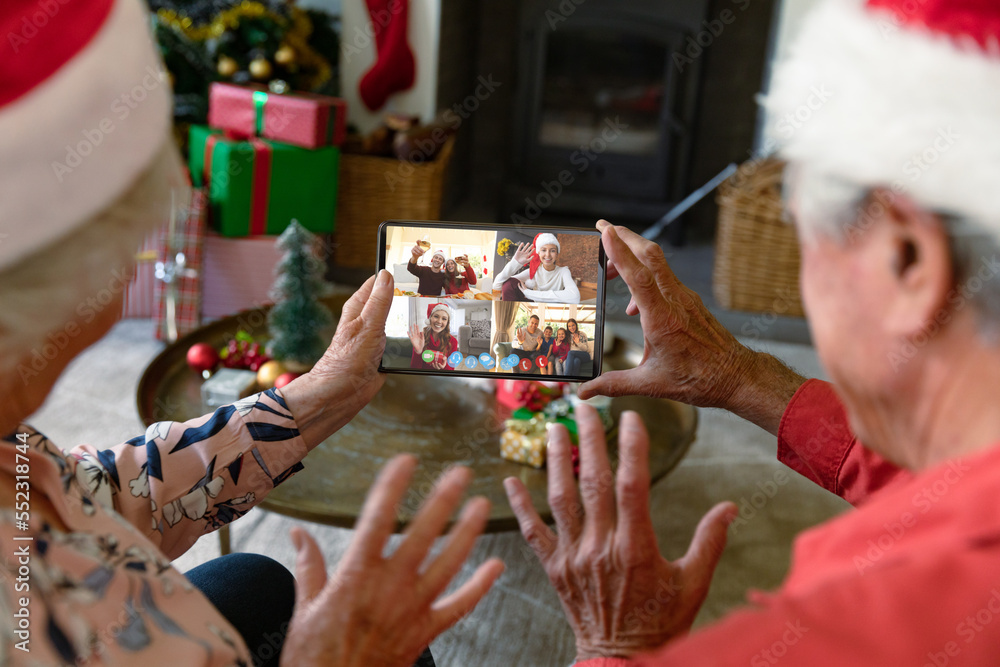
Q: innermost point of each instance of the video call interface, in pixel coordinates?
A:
(492, 301)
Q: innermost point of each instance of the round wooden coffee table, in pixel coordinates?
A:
(443, 421)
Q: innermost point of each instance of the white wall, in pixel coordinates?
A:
(424, 30)
(790, 16)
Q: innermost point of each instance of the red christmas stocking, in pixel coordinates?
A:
(394, 69)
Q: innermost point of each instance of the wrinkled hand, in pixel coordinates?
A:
(384, 611)
(620, 595)
(523, 254)
(416, 338)
(688, 355)
(346, 378)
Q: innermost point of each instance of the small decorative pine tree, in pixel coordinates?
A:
(297, 319)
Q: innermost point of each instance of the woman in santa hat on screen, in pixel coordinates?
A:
(543, 280)
(434, 338)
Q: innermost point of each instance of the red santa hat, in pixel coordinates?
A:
(898, 93)
(434, 307)
(84, 108)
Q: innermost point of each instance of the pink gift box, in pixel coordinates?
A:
(237, 273)
(301, 119)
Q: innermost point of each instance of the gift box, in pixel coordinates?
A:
(515, 394)
(258, 186)
(237, 274)
(185, 278)
(524, 441)
(300, 119)
(227, 385)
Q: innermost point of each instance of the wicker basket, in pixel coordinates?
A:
(756, 251)
(373, 189)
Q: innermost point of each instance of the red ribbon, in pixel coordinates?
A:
(260, 189)
(260, 185)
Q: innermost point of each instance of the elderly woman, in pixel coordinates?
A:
(899, 278)
(89, 533)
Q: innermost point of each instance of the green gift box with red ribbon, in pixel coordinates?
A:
(257, 186)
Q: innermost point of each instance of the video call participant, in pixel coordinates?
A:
(560, 349)
(454, 280)
(545, 348)
(579, 350)
(529, 338)
(543, 280)
(435, 337)
(431, 278)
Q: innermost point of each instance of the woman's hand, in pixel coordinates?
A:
(576, 338)
(620, 594)
(523, 254)
(379, 610)
(346, 378)
(688, 355)
(416, 338)
(440, 362)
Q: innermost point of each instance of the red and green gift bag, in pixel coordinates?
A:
(258, 186)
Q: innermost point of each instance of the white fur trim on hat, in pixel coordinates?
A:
(436, 308)
(439, 252)
(875, 103)
(547, 239)
(74, 143)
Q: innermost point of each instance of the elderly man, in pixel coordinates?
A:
(899, 234)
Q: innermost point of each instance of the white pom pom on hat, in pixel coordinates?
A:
(84, 109)
(547, 239)
(897, 93)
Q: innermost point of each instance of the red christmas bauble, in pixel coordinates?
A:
(284, 379)
(202, 357)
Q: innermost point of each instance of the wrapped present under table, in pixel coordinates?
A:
(258, 186)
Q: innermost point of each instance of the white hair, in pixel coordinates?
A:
(839, 209)
(62, 287)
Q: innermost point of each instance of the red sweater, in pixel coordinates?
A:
(463, 283)
(912, 577)
(417, 362)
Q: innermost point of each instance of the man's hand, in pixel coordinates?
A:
(346, 378)
(520, 334)
(379, 610)
(688, 355)
(415, 253)
(604, 562)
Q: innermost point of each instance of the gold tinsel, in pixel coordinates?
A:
(297, 35)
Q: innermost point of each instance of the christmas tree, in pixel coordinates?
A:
(242, 41)
(297, 320)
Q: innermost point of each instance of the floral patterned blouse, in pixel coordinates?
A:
(104, 592)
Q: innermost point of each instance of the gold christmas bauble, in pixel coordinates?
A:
(260, 68)
(269, 372)
(227, 66)
(285, 55)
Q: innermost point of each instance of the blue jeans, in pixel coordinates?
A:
(575, 360)
(256, 594)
